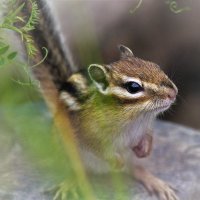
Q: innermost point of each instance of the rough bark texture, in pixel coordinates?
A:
(175, 158)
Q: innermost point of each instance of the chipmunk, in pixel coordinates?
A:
(111, 109)
(114, 115)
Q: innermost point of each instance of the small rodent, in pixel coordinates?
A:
(114, 115)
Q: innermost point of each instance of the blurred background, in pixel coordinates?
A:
(165, 32)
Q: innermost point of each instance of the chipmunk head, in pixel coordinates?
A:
(138, 86)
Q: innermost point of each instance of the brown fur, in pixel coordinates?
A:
(138, 68)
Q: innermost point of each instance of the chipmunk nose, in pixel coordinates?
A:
(170, 90)
(172, 94)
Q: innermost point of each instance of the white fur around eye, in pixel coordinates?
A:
(122, 92)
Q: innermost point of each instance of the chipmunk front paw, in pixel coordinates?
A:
(144, 147)
(161, 189)
(154, 185)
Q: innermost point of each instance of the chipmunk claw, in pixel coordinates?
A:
(161, 189)
(154, 185)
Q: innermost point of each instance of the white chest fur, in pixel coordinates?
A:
(132, 133)
(128, 138)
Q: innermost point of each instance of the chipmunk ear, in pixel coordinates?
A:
(125, 52)
(99, 75)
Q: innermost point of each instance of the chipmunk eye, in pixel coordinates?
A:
(133, 87)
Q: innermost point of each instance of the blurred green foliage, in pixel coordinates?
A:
(25, 113)
(21, 104)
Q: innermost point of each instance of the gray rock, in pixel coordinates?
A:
(175, 159)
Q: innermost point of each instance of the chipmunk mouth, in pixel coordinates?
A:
(162, 106)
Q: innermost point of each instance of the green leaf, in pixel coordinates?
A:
(2, 61)
(12, 55)
(4, 49)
